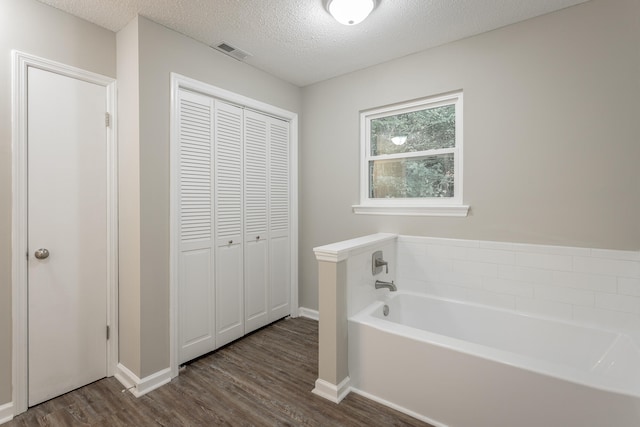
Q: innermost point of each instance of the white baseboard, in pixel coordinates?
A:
(6, 412)
(332, 392)
(139, 387)
(309, 313)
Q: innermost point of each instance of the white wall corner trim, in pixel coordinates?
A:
(332, 392)
(6, 412)
(309, 313)
(139, 387)
(21, 62)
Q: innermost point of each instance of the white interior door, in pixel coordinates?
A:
(67, 215)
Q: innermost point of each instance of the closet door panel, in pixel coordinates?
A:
(197, 335)
(279, 263)
(279, 211)
(229, 311)
(256, 296)
(256, 220)
(229, 208)
(196, 298)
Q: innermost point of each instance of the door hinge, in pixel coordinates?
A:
(27, 254)
(107, 119)
(108, 332)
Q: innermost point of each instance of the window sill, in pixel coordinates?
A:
(442, 210)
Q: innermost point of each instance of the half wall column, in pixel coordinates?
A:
(333, 369)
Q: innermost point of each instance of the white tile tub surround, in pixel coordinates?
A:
(361, 290)
(358, 254)
(593, 287)
(599, 287)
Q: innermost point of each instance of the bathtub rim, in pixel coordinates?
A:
(528, 363)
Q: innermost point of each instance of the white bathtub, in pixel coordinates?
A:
(457, 364)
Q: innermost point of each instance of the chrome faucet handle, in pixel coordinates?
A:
(380, 263)
(377, 261)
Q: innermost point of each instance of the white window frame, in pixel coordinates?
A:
(433, 206)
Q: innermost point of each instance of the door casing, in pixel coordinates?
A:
(19, 268)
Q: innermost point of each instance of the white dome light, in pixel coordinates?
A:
(350, 12)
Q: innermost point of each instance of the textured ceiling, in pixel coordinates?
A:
(298, 41)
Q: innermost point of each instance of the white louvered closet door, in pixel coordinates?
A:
(229, 213)
(196, 246)
(256, 196)
(279, 210)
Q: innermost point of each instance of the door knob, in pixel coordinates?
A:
(42, 253)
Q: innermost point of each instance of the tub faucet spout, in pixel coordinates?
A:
(386, 285)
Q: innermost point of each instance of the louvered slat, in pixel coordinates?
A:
(279, 176)
(195, 170)
(228, 171)
(255, 184)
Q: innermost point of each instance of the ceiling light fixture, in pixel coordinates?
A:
(350, 12)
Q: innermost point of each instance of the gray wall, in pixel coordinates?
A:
(550, 135)
(162, 51)
(34, 28)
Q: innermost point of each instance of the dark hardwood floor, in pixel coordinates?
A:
(264, 379)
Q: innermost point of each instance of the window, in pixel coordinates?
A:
(411, 158)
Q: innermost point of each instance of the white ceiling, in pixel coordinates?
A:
(298, 41)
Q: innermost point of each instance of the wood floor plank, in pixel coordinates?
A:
(264, 379)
